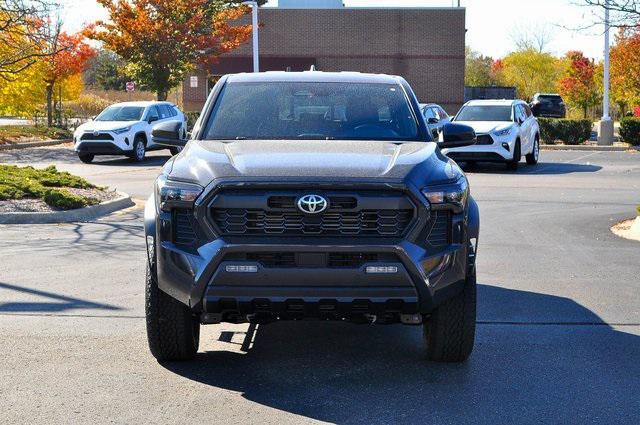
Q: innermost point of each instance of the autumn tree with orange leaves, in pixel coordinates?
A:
(164, 39)
(578, 86)
(68, 55)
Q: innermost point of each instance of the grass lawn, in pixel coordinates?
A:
(29, 133)
(47, 184)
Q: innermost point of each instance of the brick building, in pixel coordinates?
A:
(424, 45)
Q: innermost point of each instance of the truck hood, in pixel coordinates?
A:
(204, 161)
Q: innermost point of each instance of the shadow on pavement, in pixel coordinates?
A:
(524, 373)
(62, 302)
(543, 168)
(64, 154)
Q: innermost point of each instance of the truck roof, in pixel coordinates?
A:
(314, 76)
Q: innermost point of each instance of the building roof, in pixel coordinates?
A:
(314, 76)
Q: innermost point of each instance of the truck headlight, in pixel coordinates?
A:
(455, 194)
(121, 130)
(170, 194)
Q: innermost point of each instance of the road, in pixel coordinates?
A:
(558, 337)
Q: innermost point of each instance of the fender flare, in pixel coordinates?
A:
(473, 219)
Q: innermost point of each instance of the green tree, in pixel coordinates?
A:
(478, 70)
(530, 72)
(107, 71)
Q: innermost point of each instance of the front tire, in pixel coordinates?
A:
(87, 158)
(173, 332)
(532, 158)
(139, 150)
(450, 331)
(517, 155)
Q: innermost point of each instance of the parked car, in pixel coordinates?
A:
(330, 200)
(548, 105)
(125, 129)
(435, 117)
(506, 129)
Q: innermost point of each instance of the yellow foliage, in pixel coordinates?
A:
(72, 87)
(531, 72)
(24, 93)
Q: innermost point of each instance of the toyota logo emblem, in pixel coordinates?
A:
(312, 204)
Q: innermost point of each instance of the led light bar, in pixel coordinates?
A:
(237, 268)
(381, 269)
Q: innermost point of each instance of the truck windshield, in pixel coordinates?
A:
(484, 113)
(312, 110)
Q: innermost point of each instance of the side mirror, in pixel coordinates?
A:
(456, 136)
(152, 119)
(168, 134)
(433, 120)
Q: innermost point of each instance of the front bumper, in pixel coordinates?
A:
(500, 150)
(421, 278)
(103, 143)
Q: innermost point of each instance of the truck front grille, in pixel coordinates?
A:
(261, 222)
(261, 213)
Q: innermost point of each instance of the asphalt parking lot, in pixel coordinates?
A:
(558, 339)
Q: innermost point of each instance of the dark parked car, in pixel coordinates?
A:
(548, 105)
(330, 200)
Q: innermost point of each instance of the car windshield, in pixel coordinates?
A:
(484, 113)
(121, 113)
(548, 99)
(312, 110)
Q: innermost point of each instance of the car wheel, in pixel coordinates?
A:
(173, 332)
(175, 150)
(87, 158)
(449, 332)
(513, 164)
(532, 158)
(139, 150)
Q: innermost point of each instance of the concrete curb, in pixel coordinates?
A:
(26, 145)
(81, 214)
(589, 148)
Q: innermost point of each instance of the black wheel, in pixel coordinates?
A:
(175, 150)
(87, 158)
(173, 332)
(513, 164)
(532, 158)
(450, 331)
(139, 150)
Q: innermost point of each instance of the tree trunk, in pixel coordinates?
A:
(162, 95)
(49, 105)
(584, 112)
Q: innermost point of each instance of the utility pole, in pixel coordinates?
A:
(605, 133)
(254, 31)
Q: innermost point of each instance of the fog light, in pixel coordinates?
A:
(506, 146)
(241, 269)
(381, 269)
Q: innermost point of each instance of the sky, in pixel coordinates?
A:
(490, 23)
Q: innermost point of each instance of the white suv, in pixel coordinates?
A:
(506, 130)
(124, 129)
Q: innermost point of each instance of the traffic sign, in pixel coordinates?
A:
(130, 86)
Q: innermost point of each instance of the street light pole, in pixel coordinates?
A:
(254, 31)
(606, 124)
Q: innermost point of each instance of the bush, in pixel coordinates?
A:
(630, 131)
(571, 132)
(64, 200)
(47, 184)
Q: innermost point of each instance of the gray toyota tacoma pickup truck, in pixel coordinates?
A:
(311, 195)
